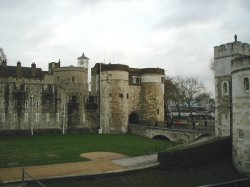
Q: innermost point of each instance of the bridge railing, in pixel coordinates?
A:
(181, 125)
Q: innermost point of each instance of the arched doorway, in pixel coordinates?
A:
(133, 118)
(161, 137)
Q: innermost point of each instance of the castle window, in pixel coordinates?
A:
(14, 103)
(110, 95)
(139, 79)
(241, 135)
(134, 79)
(225, 88)
(26, 88)
(83, 117)
(246, 84)
(37, 117)
(45, 87)
(47, 117)
(162, 79)
(26, 104)
(127, 96)
(121, 95)
(14, 117)
(109, 76)
(73, 79)
(26, 117)
(3, 117)
(158, 111)
(3, 103)
(57, 117)
(57, 79)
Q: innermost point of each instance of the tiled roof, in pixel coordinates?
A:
(11, 71)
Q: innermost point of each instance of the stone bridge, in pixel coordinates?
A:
(174, 135)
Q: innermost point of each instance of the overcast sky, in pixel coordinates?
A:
(176, 35)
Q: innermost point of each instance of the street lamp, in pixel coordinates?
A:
(63, 119)
(31, 125)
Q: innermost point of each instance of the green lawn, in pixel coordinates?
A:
(49, 149)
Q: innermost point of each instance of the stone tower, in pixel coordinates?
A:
(127, 95)
(223, 55)
(114, 98)
(241, 112)
(152, 91)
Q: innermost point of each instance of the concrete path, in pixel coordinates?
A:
(100, 163)
(139, 161)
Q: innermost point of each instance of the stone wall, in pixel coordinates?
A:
(152, 90)
(241, 113)
(114, 101)
(53, 100)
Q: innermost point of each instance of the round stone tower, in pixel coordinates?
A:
(114, 95)
(152, 94)
(241, 112)
(72, 85)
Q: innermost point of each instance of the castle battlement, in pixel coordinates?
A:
(240, 63)
(229, 49)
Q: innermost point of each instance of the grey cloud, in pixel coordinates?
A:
(184, 13)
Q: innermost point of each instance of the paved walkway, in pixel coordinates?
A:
(100, 163)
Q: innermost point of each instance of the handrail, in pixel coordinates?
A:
(33, 178)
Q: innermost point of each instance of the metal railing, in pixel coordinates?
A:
(32, 179)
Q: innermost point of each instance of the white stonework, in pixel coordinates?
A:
(232, 94)
(223, 55)
(241, 113)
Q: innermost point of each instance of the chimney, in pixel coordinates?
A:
(33, 69)
(4, 63)
(18, 69)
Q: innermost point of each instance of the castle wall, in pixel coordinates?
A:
(128, 94)
(223, 55)
(25, 104)
(152, 90)
(241, 113)
(222, 106)
(73, 85)
(55, 99)
(114, 101)
(135, 100)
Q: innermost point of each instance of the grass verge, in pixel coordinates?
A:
(52, 149)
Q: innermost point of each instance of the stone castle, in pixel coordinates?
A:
(33, 99)
(232, 96)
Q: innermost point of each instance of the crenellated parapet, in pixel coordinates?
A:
(229, 49)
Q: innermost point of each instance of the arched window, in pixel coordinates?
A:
(246, 84)
(224, 88)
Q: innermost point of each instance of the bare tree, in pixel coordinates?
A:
(174, 93)
(192, 89)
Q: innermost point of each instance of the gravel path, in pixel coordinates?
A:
(100, 162)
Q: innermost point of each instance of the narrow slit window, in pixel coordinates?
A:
(246, 84)
(225, 88)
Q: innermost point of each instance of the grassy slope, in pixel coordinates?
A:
(37, 150)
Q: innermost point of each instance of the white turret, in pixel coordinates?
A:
(83, 61)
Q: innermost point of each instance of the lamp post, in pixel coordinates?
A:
(100, 80)
(31, 125)
(63, 130)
